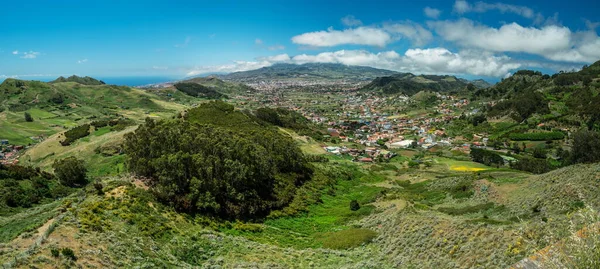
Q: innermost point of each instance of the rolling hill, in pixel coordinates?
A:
(58, 106)
(215, 84)
(309, 71)
(410, 84)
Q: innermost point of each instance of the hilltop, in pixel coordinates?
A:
(214, 84)
(58, 106)
(81, 80)
(410, 84)
(309, 71)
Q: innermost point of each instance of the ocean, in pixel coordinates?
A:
(121, 81)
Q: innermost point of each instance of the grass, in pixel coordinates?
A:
(463, 166)
(27, 220)
(346, 239)
(333, 213)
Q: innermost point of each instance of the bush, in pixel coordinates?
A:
(99, 187)
(54, 252)
(346, 239)
(70, 172)
(354, 206)
(28, 117)
(69, 254)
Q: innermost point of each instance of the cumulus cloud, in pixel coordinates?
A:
(15, 52)
(433, 13)
(441, 60)
(82, 61)
(551, 41)
(462, 6)
(258, 41)
(30, 55)
(421, 61)
(416, 33)
(351, 21)
(357, 36)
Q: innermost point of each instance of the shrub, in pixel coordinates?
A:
(28, 117)
(69, 254)
(350, 238)
(70, 172)
(354, 206)
(54, 252)
(99, 187)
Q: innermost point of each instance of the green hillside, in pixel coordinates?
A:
(565, 99)
(59, 106)
(409, 84)
(223, 87)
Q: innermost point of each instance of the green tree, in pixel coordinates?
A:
(586, 147)
(70, 172)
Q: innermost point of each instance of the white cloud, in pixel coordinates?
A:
(551, 41)
(30, 55)
(433, 13)
(351, 21)
(420, 61)
(416, 33)
(82, 61)
(160, 67)
(15, 52)
(258, 41)
(276, 47)
(185, 43)
(440, 60)
(462, 6)
(356, 36)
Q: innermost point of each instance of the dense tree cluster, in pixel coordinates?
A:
(197, 90)
(486, 157)
(75, 133)
(538, 136)
(218, 161)
(23, 186)
(522, 106)
(289, 119)
(586, 147)
(532, 165)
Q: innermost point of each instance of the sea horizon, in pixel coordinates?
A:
(131, 81)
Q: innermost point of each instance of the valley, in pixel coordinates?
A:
(293, 166)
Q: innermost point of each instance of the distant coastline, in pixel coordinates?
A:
(121, 81)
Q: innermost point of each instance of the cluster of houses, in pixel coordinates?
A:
(9, 153)
(366, 155)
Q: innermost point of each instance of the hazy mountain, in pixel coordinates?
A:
(310, 71)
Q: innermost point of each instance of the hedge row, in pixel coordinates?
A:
(542, 136)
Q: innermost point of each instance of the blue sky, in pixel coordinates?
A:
(184, 38)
